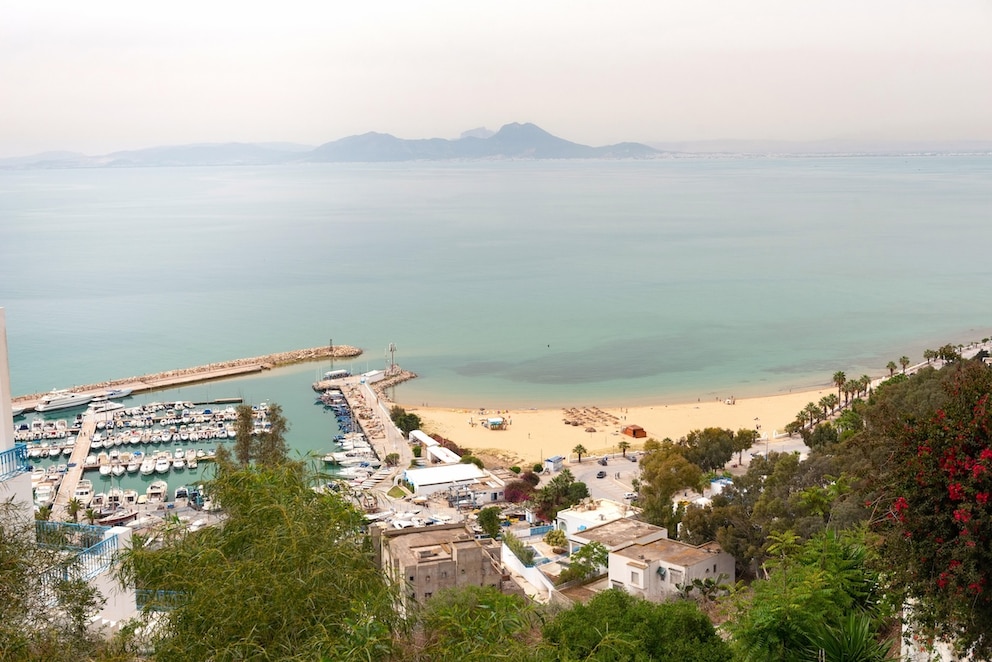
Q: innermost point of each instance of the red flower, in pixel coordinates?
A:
(982, 497)
(900, 504)
(961, 515)
(986, 454)
(955, 491)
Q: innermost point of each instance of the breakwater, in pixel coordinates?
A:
(212, 371)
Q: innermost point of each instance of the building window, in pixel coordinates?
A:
(427, 595)
(635, 578)
(674, 576)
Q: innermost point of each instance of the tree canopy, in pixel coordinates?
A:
(617, 627)
(287, 576)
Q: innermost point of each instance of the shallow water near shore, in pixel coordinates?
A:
(503, 284)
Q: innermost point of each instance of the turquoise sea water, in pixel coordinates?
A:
(503, 284)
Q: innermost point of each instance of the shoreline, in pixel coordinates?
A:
(531, 435)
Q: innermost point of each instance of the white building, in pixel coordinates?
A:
(429, 480)
(590, 513)
(658, 569)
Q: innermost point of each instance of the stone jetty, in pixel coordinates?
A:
(221, 370)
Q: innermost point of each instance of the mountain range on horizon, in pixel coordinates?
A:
(512, 141)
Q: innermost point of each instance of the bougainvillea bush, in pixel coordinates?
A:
(937, 522)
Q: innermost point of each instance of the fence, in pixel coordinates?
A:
(13, 461)
(79, 563)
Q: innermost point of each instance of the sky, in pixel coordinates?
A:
(106, 75)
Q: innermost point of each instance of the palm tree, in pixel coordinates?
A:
(813, 411)
(90, 515)
(579, 450)
(623, 445)
(826, 404)
(73, 508)
(865, 382)
(929, 355)
(891, 365)
(839, 379)
(904, 362)
(831, 401)
(44, 513)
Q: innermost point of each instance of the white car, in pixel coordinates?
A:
(630, 495)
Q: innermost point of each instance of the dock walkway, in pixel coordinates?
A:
(71, 478)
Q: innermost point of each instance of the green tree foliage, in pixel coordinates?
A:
(937, 515)
(664, 472)
(585, 562)
(524, 553)
(839, 380)
(287, 577)
(561, 492)
(556, 538)
(489, 521)
(473, 623)
(822, 435)
(268, 447)
(617, 627)
(406, 421)
(624, 446)
(580, 450)
(244, 439)
(708, 449)
(743, 440)
(272, 447)
(43, 615)
(471, 459)
(807, 598)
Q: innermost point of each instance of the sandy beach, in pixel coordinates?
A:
(534, 434)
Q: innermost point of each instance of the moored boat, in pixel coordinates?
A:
(62, 399)
(84, 492)
(158, 491)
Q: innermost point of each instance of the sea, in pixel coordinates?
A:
(502, 284)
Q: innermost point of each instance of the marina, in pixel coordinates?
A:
(113, 455)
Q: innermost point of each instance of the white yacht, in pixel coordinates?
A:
(84, 492)
(147, 466)
(62, 399)
(157, 491)
(162, 464)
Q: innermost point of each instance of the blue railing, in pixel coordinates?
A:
(66, 535)
(13, 461)
(152, 600)
(80, 563)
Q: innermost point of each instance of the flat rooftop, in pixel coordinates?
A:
(619, 532)
(671, 551)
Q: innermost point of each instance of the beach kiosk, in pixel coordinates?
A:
(635, 431)
(553, 464)
(495, 423)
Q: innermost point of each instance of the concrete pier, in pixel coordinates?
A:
(71, 478)
(235, 368)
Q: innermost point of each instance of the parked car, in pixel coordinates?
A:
(630, 495)
(601, 474)
(632, 458)
(602, 460)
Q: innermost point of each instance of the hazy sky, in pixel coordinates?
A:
(102, 75)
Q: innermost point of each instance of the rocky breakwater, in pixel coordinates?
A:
(220, 370)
